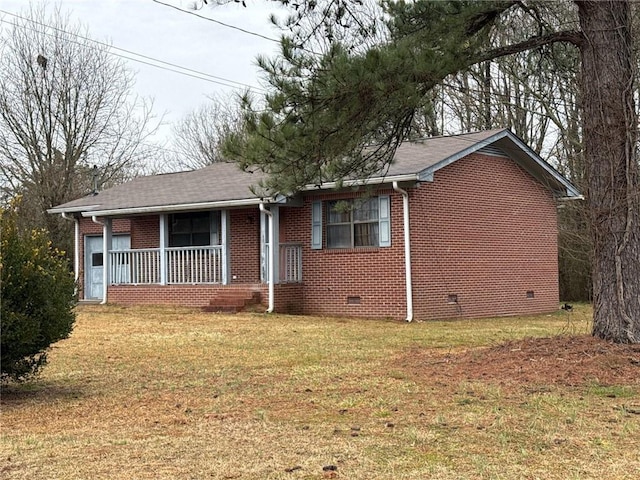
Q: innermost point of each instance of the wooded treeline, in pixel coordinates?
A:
(69, 118)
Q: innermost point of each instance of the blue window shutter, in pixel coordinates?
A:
(384, 209)
(316, 225)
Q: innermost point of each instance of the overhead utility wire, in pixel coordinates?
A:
(248, 32)
(195, 73)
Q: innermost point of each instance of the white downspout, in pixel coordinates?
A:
(76, 246)
(407, 250)
(105, 271)
(270, 273)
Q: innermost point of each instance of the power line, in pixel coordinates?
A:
(171, 67)
(248, 32)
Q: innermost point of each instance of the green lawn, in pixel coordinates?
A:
(148, 393)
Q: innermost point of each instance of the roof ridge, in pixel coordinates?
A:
(475, 132)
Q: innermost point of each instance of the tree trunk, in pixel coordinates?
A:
(610, 134)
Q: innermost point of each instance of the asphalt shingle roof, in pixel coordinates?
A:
(225, 183)
(215, 183)
(415, 156)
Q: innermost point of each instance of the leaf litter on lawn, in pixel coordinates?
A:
(561, 360)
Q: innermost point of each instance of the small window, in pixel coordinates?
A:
(97, 259)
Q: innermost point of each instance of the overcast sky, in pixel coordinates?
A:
(164, 33)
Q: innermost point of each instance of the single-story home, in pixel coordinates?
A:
(458, 226)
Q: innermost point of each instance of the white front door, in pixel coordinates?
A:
(94, 262)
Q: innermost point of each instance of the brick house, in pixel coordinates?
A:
(459, 226)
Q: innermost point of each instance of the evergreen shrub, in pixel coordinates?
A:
(37, 297)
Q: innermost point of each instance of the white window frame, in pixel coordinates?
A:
(383, 221)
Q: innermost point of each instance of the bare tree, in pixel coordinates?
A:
(197, 136)
(66, 104)
(536, 94)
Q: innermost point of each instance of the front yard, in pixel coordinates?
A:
(151, 393)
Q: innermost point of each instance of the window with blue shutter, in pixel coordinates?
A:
(361, 222)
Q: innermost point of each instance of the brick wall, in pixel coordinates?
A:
(485, 232)
(184, 295)
(365, 282)
(288, 298)
(244, 238)
(483, 239)
(145, 232)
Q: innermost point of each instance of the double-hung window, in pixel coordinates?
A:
(352, 223)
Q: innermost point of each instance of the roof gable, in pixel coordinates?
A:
(511, 146)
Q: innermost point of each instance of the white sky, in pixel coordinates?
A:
(164, 33)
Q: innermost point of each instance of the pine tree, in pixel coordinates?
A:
(342, 112)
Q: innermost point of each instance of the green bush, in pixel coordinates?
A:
(37, 298)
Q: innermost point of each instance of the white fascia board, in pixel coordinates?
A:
(426, 175)
(572, 191)
(362, 182)
(71, 209)
(173, 208)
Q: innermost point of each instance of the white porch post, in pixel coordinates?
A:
(76, 245)
(270, 244)
(271, 257)
(76, 250)
(275, 241)
(106, 258)
(224, 241)
(163, 248)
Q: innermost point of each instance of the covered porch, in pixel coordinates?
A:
(181, 253)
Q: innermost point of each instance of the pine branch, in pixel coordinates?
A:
(567, 36)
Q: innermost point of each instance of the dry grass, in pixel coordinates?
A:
(148, 393)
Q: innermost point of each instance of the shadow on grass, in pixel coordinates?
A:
(37, 391)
